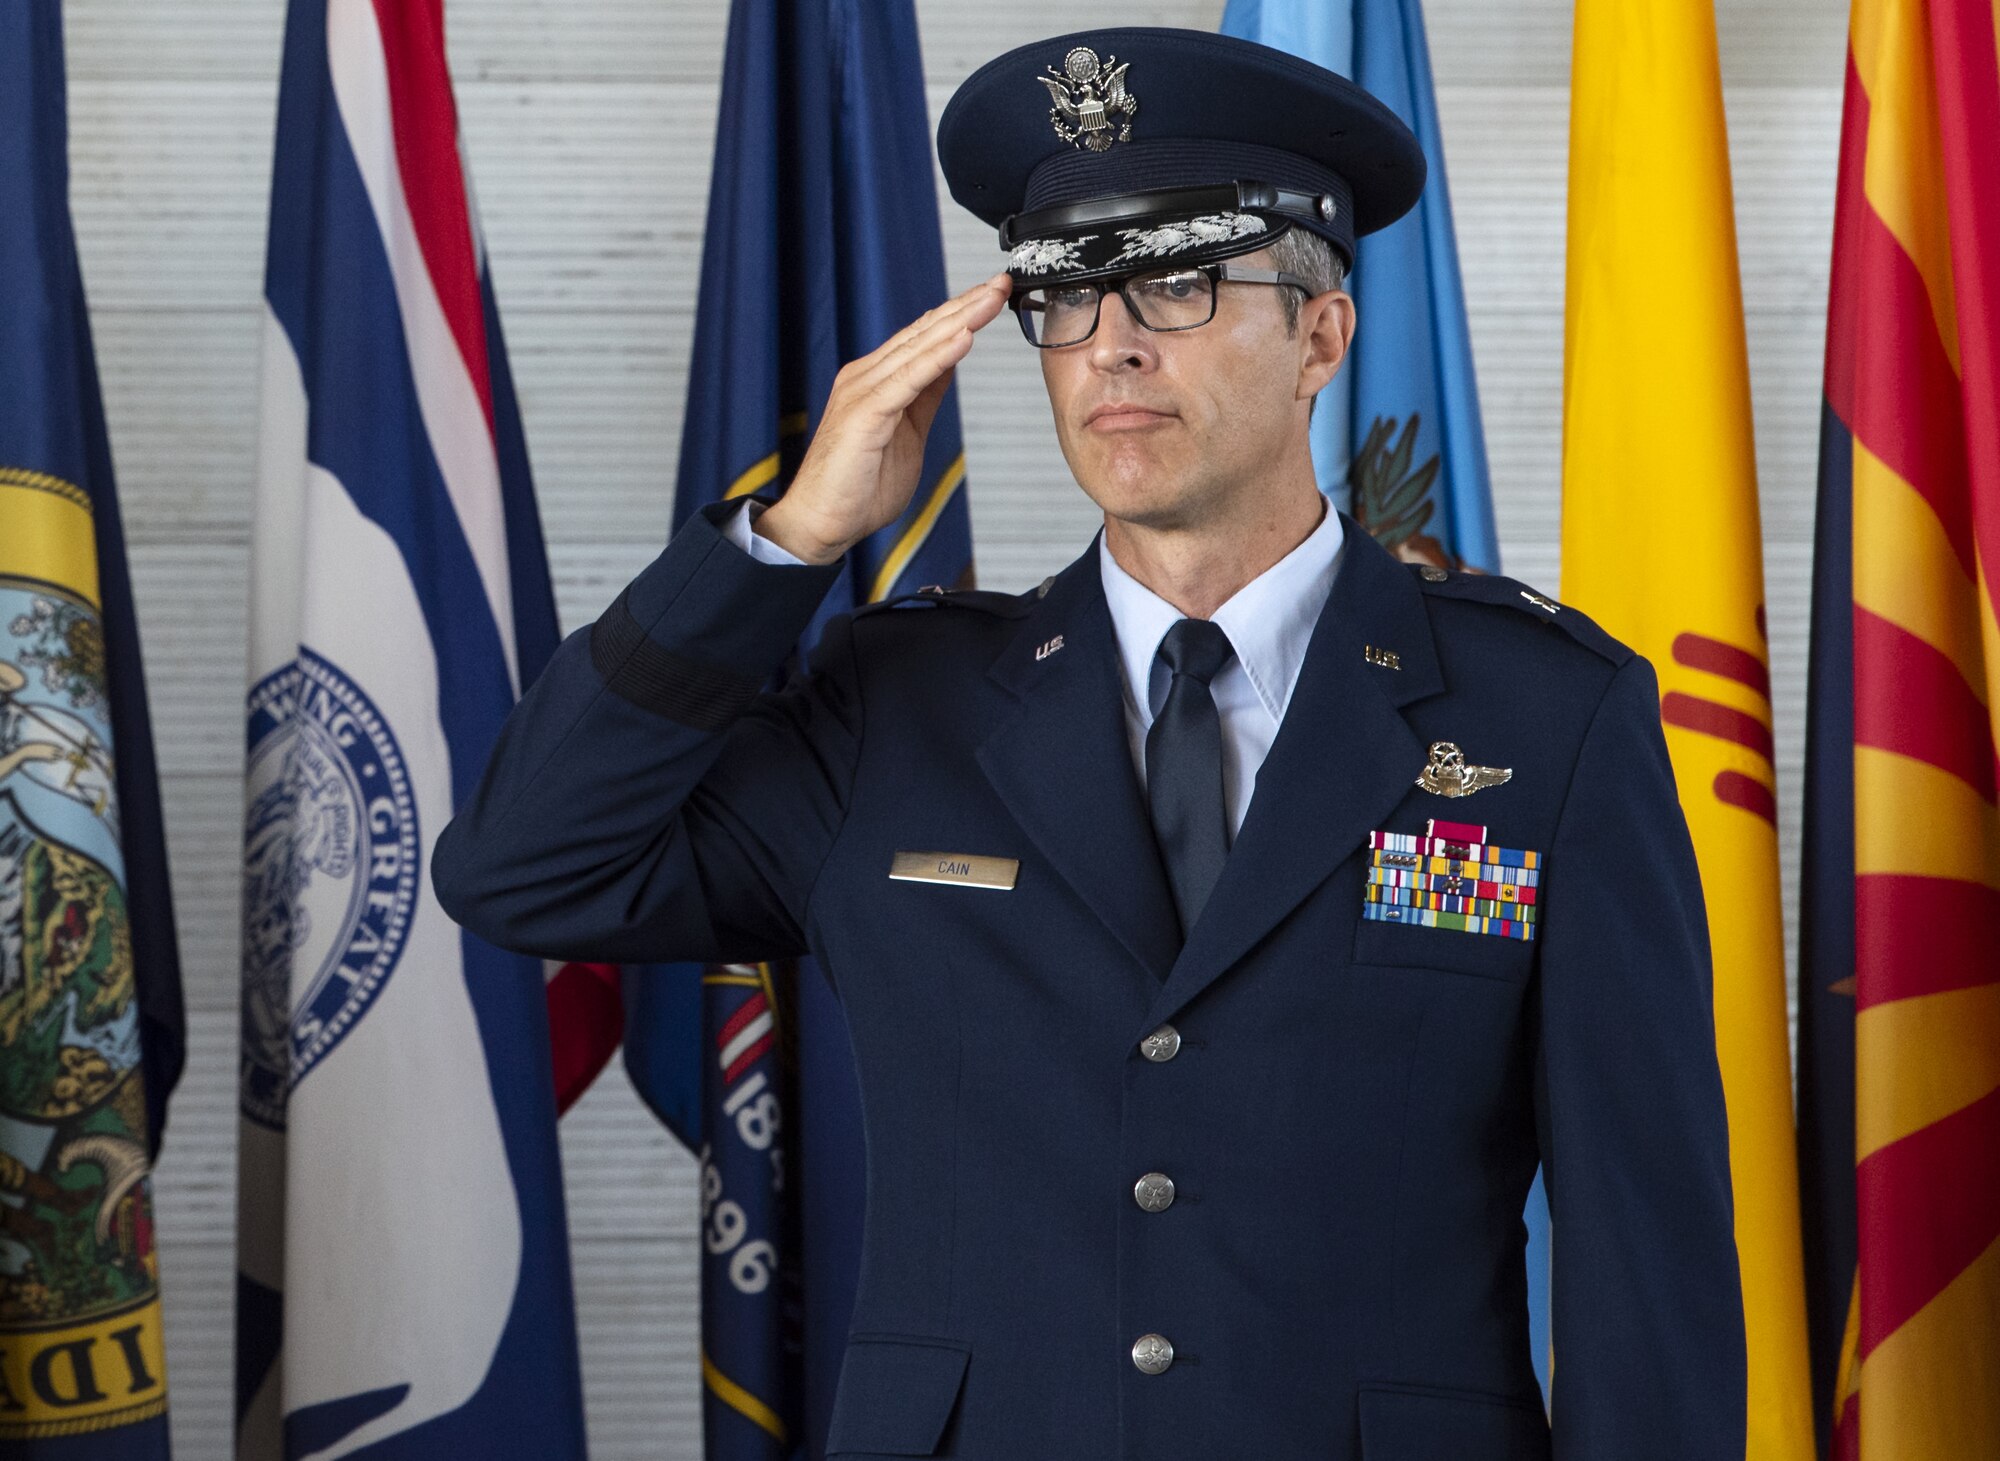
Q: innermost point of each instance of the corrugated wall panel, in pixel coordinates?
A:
(590, 126)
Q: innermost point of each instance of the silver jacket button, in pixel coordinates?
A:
(1431, 573)
(1152, 1354)
(1154, 1192)
(1163, 1044)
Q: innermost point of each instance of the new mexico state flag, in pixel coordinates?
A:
(1661, 544)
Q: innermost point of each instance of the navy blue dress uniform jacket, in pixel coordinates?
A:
(1351, 1111)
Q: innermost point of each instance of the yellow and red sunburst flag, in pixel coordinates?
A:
(1899, 1040)
(1661, 543)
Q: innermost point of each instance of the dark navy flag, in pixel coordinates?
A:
(91, 1031)
(404, 1283)
(822, 241)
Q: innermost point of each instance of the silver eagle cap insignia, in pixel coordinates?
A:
(1447, 774)
(1092, 107)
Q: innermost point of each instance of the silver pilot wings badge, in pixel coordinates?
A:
(1092, 107)
(1447, 774)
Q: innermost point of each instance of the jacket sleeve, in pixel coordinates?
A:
(645, 801)
(1647, 1309)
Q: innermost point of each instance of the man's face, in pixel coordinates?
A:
(1171, 430)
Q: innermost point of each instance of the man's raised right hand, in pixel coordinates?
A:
(862, 467)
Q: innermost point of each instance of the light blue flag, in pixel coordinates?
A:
(1397, 438)
(1418, 477)
(1322, 33)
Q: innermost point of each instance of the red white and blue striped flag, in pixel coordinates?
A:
(404, 1273)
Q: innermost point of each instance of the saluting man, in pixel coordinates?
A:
(1227, 927)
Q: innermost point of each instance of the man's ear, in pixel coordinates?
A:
(1326, 324)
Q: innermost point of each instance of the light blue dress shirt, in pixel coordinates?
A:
(1269, 622)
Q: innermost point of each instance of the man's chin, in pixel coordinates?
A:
(1157, 503)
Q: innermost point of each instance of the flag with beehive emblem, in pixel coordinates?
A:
(1899, 979)
(822, 241)
(1661, 543)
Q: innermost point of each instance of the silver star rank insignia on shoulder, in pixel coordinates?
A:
(1447, 774)
(1089, 98)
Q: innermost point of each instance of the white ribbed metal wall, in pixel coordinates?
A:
(590, 125)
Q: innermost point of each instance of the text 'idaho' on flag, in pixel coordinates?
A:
(404, 1276)
(91, 1034)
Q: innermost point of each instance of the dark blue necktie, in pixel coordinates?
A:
(1184, 766)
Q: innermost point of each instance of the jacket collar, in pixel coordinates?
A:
(1343, 758)
(1061, 764)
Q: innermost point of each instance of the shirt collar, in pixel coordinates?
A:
(1269, 620)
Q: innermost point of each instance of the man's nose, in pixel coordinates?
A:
(1121, 342)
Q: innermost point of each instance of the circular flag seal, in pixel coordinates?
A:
(329, 873)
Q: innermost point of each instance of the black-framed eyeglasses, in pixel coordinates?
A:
(1183, 298)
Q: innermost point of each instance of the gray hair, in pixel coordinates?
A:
(1301, 251)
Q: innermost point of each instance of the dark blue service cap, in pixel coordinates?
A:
(1108, 150)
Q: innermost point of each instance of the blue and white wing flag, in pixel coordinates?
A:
(404, 1286)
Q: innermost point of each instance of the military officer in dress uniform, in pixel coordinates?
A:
(1226, 928)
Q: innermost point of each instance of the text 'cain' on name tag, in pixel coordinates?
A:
(963, 868)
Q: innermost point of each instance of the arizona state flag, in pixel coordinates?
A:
(1661, 544)
(91, 1034)
(1900, 971)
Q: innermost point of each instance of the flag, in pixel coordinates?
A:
(1899, 982)
(1417, 480)
(822, 241)
(1661, 544)
(1322, 32)
(404, 1265)
(91, 1030)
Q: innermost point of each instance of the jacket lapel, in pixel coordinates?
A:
(1343, 758)
(1063, 766)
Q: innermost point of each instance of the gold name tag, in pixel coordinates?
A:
(955, 867)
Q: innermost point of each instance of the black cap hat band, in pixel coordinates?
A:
(1308, 208)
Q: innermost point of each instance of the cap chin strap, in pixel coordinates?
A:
(1224, 197)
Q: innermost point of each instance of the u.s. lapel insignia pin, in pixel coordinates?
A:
(1050, 648)
(1447, 773)
(1387, 659)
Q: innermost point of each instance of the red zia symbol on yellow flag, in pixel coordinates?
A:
(1712, 718)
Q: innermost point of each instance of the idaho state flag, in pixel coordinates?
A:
(1661, 543)
(91, 1034)
(1899, 1039)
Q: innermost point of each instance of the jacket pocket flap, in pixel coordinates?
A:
(895, 1395)
(1411, 1423)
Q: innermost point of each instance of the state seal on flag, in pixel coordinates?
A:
(330, 861)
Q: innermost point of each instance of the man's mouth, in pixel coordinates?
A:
(1123, 416)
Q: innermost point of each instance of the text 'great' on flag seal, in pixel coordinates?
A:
(330, 873)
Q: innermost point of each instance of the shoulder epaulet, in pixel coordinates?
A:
(1511, 593)
(936, 596)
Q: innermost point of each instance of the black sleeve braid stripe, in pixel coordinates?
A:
(653, 677)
